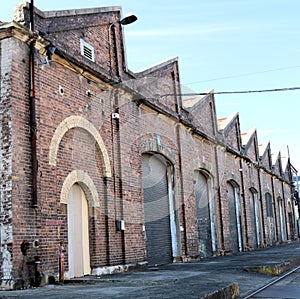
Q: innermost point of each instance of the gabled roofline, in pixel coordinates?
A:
(192, 102)
(262, 148)
(81, 11)
(227, 121)
(277, 157)
(156, 66)
(248, 136)
(68, 12)
(284, 163)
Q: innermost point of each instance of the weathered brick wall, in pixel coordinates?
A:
(203, 116)
(252, 149)
(252, 190)
(138, 131)
(159, 86)
(232, 134)
(77, 150)
(199, 155)
(6, 50)
(80, 142)
(98, 27)
(24, 216)
(266, 159)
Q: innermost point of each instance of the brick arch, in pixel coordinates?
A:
(78, 122)
(204, 168)
(150, 146)
(85, 182)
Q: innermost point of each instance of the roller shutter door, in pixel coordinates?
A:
(156, 209)
(203, 215)
(270, 217)
(232, 218)
(253, 220)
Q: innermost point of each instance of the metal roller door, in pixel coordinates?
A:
(232, 218)
(203, 215)
(156, 209)
(270, 216)
(253, 220)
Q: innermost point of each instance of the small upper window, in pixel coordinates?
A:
(87, 50)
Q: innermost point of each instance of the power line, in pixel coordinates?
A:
(243, 75)
(237, 92)
(188, 94)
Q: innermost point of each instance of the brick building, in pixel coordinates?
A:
(116, 166)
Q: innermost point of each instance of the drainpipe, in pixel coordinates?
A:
(120, 179)
(176, 86)
(33, 127)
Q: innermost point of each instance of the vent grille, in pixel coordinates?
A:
(87, 50)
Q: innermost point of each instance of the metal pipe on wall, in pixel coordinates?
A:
(32, 106)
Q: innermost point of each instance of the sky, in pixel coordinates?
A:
(225, 45)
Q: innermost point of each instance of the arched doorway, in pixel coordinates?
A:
(203, 214)
(256, 218)
(270, 217)
(291, 221)
(159, 211)
(281, 219)
(78, 233)
(235, 218)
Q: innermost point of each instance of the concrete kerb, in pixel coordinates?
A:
(232, 291)
(229, 292)
(277, 269)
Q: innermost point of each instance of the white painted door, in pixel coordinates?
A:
(78, 234)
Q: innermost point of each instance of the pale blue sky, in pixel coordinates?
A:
(225, 45)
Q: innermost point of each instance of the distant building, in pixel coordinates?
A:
(296, 180)
(115, 167)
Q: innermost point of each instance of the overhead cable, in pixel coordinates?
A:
(237, 92)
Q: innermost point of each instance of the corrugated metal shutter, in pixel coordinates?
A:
(253, 219)
(156, 209)
(232, 218)
(270, 217)
(203, 215)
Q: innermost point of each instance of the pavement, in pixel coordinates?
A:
(220, 277)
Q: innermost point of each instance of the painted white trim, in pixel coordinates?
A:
(86, 46)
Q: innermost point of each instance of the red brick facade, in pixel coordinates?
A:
(98, 125)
